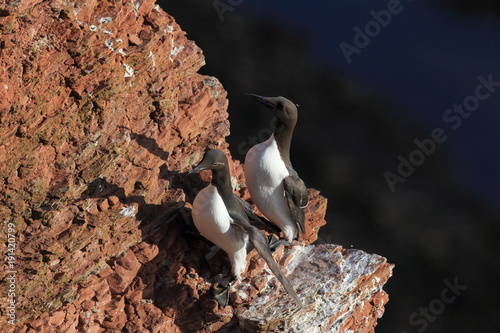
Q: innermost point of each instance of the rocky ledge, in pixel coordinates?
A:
(102, 112)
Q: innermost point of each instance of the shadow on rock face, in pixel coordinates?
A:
(167, 271)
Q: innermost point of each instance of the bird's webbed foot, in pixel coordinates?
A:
(274, 242)
(221, 294)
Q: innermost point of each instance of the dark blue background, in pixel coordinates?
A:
(424, 61)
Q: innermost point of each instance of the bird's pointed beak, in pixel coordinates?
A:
(262, 100)
(197, 169)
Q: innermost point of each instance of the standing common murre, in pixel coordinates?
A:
(274, 185)
(224, 219)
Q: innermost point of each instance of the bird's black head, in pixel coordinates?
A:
(284, 109)
(213, 159)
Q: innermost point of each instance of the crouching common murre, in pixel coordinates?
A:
(224, 219)
(275, 187)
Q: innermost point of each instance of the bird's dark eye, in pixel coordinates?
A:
(296, 105)
(279, 105)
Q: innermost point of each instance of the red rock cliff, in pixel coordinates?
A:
(102, 113)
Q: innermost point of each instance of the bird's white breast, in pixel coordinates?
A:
(210, 215)
(263, 162)
(211, 218)
(264, 173)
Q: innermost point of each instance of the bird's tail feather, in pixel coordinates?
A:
(258, 239)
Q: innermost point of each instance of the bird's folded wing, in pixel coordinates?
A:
(254, 217)
(259, 241)
(297, 199)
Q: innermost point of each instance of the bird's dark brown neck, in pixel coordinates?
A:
(283, 136)
(221, 179)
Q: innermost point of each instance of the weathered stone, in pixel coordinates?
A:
(342, 287)
(113, 201)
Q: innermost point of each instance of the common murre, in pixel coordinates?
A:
(224, 218)
(274, 185)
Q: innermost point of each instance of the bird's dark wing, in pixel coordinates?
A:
(254, 217)
(296, 196)
(259, 241)
(239, 218)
